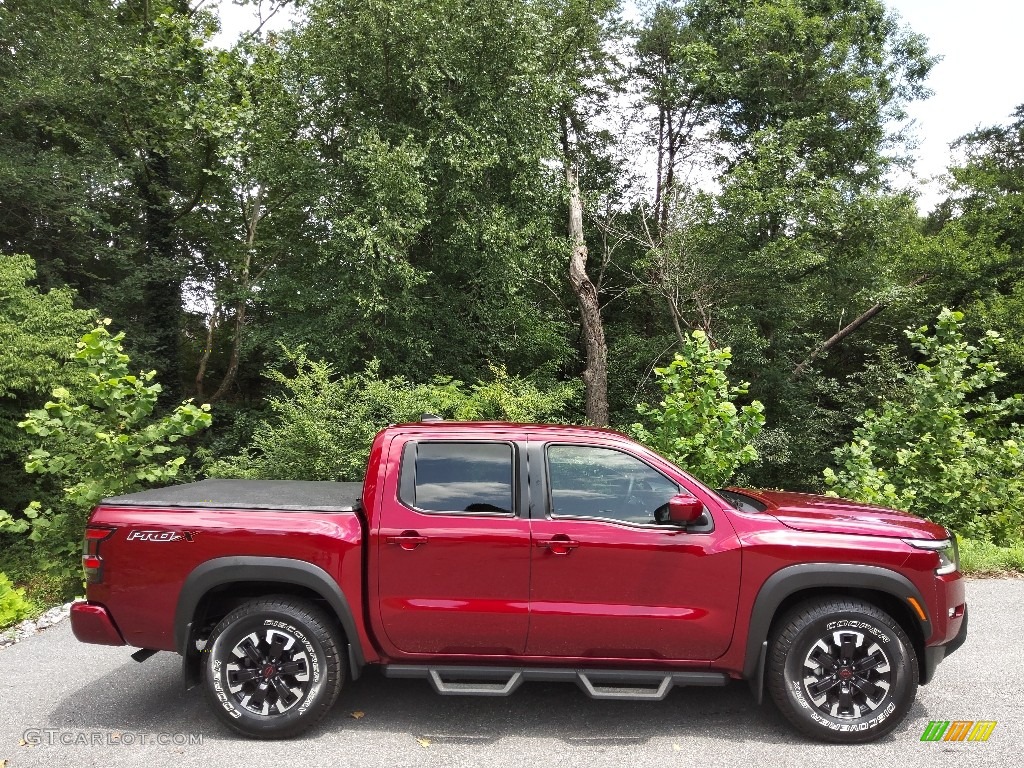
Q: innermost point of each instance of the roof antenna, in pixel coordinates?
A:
(430, 417)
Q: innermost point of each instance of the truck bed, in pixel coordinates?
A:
(277, 495)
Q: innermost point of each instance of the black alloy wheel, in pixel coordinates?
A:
(271, 672)
(847, 674)
(274, 666)
(841, 670)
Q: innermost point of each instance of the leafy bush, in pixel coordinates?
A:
(697, 424)
(950, 449)
(323, 424)
(13, 605)
(39, 331)
(99, 442)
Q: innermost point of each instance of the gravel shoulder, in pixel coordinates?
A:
(30, 627)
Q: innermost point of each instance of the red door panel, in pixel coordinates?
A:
(464, 590)
(616, 589)
(451, 583)
(632, 593)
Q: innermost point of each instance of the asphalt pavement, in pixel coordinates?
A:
(63, 703)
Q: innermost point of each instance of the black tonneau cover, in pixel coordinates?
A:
(284, 495)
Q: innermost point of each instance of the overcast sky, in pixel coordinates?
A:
(977, 82)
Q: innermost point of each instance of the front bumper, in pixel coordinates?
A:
(933, 654)
(92, 623)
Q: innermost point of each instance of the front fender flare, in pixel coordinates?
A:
(794, 578)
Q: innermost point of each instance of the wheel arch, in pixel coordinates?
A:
(217, 585)
(785, 588)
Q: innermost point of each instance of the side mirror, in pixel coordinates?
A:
(683, 509)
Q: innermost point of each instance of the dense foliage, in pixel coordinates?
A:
(950, 449)
(39, 331)
(322, 424)
(341, 223)
(101, 440)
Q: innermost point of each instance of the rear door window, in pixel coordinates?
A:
(458, 477)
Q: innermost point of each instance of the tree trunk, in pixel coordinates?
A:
(595, 376)
(161, 313)
(253, 220)
(207, 351)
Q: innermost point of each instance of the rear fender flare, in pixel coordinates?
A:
(240, 569)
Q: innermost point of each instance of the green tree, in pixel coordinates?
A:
(39, 329)
(950, 449)
(976, 258)
(800, 245)
(107, 143)
(697, 424)
(426, 241)
(102, 441)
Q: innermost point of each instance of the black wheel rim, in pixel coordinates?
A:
(268, 672)
(847, 675)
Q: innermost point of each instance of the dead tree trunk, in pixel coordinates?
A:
(207, 351)
(255, 213)
(846, 330)
(595, 376)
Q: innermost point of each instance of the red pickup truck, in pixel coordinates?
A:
(481, 555)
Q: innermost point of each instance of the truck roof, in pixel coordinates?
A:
(505, 426)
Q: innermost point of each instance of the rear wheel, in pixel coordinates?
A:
(842, 670)
(274, 666)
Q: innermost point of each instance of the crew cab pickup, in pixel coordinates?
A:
(478, 556)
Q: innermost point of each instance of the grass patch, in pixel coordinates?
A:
(980, 557)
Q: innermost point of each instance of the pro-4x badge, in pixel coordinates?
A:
(161, 536)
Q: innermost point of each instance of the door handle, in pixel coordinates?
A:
(559, 545)
(407, 540)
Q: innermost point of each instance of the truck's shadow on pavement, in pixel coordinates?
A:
(150, 698)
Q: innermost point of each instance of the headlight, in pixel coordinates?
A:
(946, 549)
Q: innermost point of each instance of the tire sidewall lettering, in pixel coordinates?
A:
(219, 672)
(833, 626)
(872, 723)
(806, 631)
(220, 689)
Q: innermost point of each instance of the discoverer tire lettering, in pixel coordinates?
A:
(274, 667)
(841, 670)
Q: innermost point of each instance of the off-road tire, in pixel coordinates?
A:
(841, 670)
(273, 667)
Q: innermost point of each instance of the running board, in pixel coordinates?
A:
(628, 685)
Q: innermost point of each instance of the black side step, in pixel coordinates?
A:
(630, 685)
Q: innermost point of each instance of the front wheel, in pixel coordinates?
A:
(842, 670)
(273, 668)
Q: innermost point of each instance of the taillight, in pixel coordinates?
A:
(91, 560)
